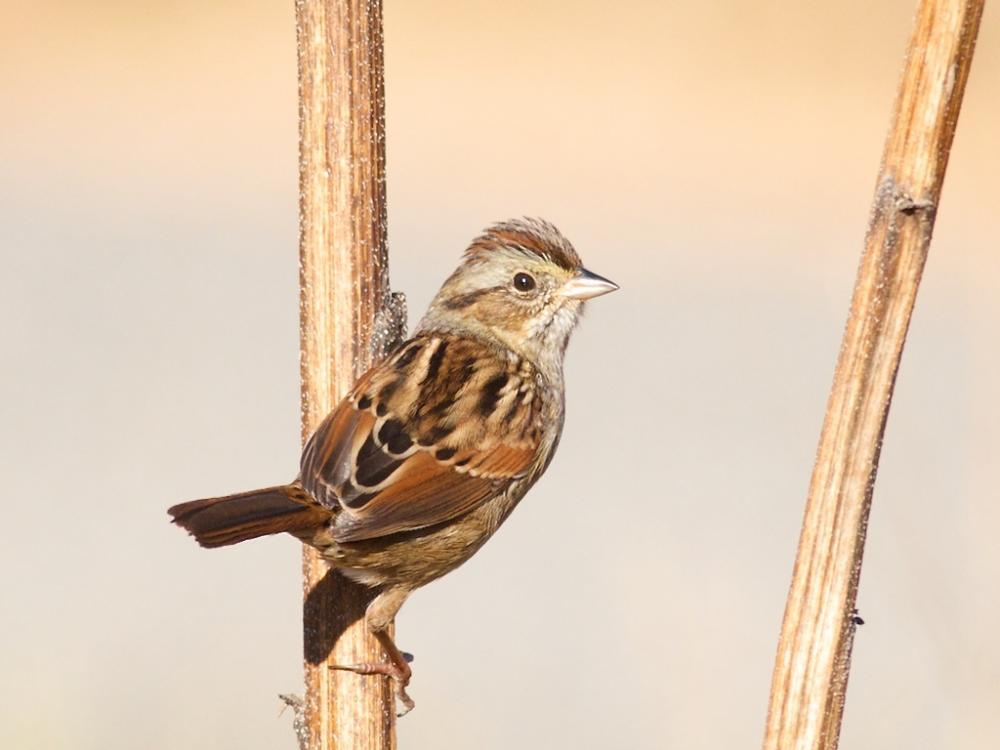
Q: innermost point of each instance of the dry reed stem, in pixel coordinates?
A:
(343, 286)
(813, 659)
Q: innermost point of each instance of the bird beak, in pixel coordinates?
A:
(586, 285)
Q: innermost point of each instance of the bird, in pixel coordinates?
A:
(434, 446)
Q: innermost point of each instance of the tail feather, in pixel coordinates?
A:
(220, 521)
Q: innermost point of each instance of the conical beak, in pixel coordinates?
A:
(587, 285)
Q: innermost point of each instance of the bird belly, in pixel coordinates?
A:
(414, 558)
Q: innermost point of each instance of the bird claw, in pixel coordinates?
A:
(389, 670)
(405, 699)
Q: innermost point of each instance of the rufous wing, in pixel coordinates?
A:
(426, 436)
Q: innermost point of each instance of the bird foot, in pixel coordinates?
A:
(399, 677)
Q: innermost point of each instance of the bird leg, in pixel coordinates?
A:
(378, 617)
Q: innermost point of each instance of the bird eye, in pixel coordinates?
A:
(523, 282)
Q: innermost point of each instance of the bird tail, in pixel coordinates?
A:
(220, 521)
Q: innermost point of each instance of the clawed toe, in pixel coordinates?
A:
(405, 699)
(399, 677)
(389, 670)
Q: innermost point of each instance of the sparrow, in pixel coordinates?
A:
(434, 446)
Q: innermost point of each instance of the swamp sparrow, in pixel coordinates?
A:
(434, 447)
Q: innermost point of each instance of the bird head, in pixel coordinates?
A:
(521, 285)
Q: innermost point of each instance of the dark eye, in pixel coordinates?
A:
(523, 282)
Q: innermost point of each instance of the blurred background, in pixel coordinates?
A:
(716, 159)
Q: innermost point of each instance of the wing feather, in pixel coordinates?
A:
(432, 432)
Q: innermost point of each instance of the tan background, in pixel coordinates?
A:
(714, 158)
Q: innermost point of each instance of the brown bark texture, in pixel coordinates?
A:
(343, 288)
